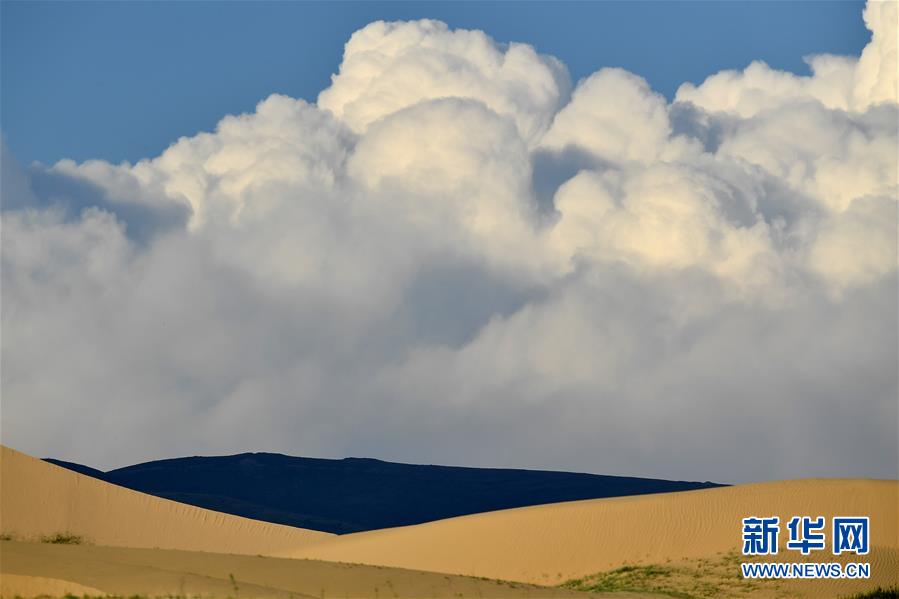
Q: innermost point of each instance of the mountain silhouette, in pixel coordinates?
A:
(358, 494)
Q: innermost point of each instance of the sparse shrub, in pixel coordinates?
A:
(234, 585)
(625, 578)
(62, 538)
(878, 593)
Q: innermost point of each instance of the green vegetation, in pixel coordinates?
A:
(878, 593)
(614, 580)
(626, 578)
(62, 538)
(694, 579)
(697, 579)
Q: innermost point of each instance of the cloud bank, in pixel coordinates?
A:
(457, 256)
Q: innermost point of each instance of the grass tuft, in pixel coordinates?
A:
(690, 579)
(878, 593)
(63, 538)
(625, 578)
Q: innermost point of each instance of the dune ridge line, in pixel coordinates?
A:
(39, 499)
(548, 544)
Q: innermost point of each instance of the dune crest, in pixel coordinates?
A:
(38, 499)
(551, 543)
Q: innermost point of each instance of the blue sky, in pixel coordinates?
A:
(120, 81)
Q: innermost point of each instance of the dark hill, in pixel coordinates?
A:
(79, 468)
(356, 494)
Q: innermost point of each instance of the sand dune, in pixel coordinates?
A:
(162, 572)
(552, 543)
(39, 499)
(18, 585)
(696, 533)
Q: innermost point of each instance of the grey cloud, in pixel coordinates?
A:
(143, 221)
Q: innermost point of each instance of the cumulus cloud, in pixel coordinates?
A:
(390, 66)
(454, 257)
(837, 82)
(615, 116)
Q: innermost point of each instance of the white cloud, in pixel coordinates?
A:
(877, 72)
(837, 82)
(447, 259)
(615, 116)
(390, 66)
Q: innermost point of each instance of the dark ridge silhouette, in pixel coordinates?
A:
(79, 468)
(357, 494)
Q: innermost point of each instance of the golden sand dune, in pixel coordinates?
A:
(691, 540)
(18, 585)
(552, 543)
(39, 499)
(161, 572)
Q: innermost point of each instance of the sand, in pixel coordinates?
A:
(695, 534)
(18, 585)
(553, 543)
(160, 572)
(39, 499)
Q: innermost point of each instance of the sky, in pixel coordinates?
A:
(562, 242)
(117, 81)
